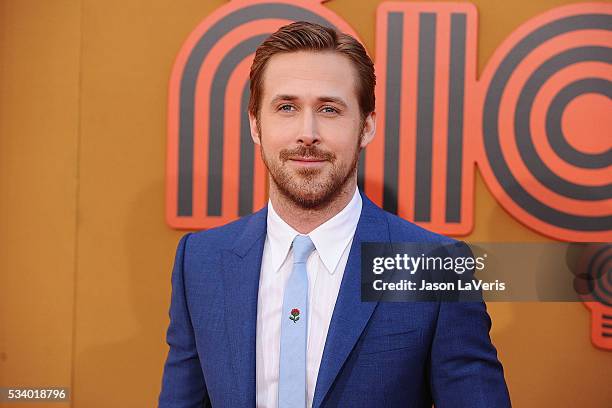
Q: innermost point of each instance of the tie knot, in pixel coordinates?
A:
(302, 247)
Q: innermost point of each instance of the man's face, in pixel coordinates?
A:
(309, 127)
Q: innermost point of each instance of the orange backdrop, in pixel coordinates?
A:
(85, 253)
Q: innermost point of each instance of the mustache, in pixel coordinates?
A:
(306, 152)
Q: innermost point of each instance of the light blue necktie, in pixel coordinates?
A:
(292, 374)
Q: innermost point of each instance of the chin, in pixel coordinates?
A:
(312, 199)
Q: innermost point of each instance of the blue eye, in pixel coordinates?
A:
(329, 109)
(286, 108)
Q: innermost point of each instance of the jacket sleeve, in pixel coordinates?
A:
(464, 370)
(183, 383)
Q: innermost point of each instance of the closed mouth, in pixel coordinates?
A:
(306, 159)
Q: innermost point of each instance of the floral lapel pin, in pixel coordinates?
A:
(295, 315)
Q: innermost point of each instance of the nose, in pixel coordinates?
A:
(309, 134)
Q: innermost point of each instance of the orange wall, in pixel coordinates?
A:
(85, 254)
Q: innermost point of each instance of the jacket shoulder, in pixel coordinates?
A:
(221, 237)
(401, 230)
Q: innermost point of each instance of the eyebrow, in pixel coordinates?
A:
(333, 99)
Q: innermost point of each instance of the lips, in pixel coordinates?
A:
(307, 159)
(306, 162)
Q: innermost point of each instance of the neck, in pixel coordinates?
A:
(304, 220)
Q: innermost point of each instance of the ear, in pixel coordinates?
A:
(254, 130)
(369, 129)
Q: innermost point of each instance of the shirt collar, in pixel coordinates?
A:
(280, 236)
(330, 238)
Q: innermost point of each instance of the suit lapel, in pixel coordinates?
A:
(350, 314)
(241, 270)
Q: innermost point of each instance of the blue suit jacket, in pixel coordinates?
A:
(377, 354)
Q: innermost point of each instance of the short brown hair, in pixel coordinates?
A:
(304, 36)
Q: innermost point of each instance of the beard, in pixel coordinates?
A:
(310, 188)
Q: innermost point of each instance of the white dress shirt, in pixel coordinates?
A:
(325, 266)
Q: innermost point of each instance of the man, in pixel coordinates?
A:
(266, 311)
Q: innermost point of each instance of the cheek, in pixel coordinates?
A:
(271, 143)
(341, 139)
(340, 129)
(272, 146)
(277, 134)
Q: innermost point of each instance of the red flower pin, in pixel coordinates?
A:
(295, 315)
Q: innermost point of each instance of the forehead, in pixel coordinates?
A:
(310, 74)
